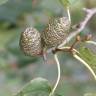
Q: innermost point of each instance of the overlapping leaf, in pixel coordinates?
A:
(37, 87)
(66, 3)
(3, 1)
(88, 56)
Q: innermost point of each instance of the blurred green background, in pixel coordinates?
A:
(16, 69)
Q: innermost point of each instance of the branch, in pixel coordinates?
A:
(58, 79)
(75, 52)
(90, 13)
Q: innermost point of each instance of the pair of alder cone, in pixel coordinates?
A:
(32, 42)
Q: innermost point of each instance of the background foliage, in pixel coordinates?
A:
(16, 69)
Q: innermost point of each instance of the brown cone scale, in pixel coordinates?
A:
(30, 42)
(56, 32)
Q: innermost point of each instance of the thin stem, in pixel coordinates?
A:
(68, 12)
(44, 58)
(91, 42)
(58, 78)
(66, 49)
(90, 69)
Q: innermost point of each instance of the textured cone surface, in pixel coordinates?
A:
(56, 31)
(30, 42)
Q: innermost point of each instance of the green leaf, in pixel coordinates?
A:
(36, 87)
(3, 1)
(65, 3)
(73, 1)
(90, 94)
(88, 56)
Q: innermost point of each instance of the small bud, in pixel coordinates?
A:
(88, 37)
(30, 42)
(78, 38)
(56, 31)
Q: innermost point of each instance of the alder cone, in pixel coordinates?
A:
(56, 31)
(30, 42)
